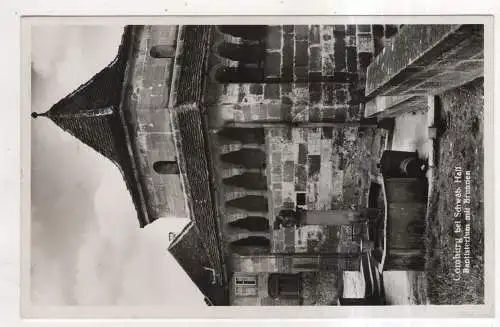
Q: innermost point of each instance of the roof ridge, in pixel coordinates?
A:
(181, 235)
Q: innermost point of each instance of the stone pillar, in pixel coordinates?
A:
(330, 217)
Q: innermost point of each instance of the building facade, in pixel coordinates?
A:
(259, 135)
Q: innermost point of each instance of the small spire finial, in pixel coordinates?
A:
(36, 114)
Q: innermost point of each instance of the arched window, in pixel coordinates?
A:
(162, 51)
(250, 203)
(246, 157)
(251, 245)
(248, 180)
(253, 224)
(166, 167)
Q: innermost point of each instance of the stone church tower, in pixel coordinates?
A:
(237, 127)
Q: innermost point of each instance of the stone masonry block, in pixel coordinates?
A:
(315, 114)
(364, 28)
(315, 59)
(328, 113)
(288, 55)
(351, 58)
(328, 47)
(272, 91)
(326, 33)
(328, 64)
(329, 98)
(350, 41)
(273, 64)
(256, 89)
(301, 74)
(389, 70)
(277, 198)
(315, 93)
(314, 165)
(327, 133)
(301, 180)
(288, 29)
(314, 34)
(289, 169)
(341, 96)
(350, 30)
(364, 59)
(302, 155)
(301, 53)
(286, 88)
(273, 41)
(273, 111)
(365, 43)
(276, 157)
(340, 51)
(289, 204)
(301, 32)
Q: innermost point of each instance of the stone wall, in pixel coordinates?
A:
(315, 239)
(262, 297)
(320, 72)
(317, 67)
(291, 263)
(317, 288)
(147, 101)
(427, 59)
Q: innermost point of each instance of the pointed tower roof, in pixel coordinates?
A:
(93, 115)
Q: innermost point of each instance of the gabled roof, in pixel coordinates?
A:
(93, 115)
(190, 253)
(195, 164)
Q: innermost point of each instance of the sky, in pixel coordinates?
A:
(87, 247)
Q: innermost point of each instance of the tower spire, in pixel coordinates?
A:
(36, 114)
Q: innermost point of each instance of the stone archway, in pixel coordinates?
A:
(250, 203)
(252, 223)
(166, 167)
(248, 180)
(246, 157)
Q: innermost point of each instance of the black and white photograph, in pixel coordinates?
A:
(215, 165)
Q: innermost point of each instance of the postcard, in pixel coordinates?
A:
(273, 167)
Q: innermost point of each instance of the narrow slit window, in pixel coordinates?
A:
(166, 167)
(162, 51)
